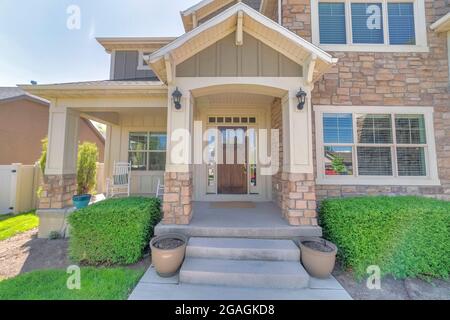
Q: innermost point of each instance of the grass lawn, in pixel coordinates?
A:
(10, 225)
(96, 284)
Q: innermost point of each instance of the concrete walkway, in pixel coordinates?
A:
(153, 287)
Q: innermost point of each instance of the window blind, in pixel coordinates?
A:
(332, 23)
(367, 23)
(338, 128)
(401, 23)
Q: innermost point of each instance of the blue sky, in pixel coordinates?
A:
(37, 45)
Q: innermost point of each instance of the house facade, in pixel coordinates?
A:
(288, 101)
(24, 123)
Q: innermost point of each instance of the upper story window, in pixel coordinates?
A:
(142, 63)
(381, 26)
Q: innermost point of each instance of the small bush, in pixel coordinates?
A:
(87, 167)
(404, 236)
(43, 158)
(114, 231)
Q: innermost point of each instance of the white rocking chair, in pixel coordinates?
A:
(119, 183)
(159, 189)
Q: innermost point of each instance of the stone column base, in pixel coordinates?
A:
(177, 204)
(53, 220)
(57, 191)
(298, 199)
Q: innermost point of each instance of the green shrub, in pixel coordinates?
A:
(43, 158)
(87, 167)
(404, 236)
(114, 231)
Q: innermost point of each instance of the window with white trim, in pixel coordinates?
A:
(377, 25)
(365, 145)
(142, 63)
(147, 151)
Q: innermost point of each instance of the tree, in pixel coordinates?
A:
(87, 167)
(43, 159)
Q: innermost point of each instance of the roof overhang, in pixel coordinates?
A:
(27, 97)
(137, 43)
(164, 61)
(200, 10)
(97, 89)
(442, 25)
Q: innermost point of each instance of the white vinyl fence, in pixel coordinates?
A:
(19, 185)
(8, 180)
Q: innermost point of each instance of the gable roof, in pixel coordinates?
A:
(443, 24)
(206, 8)
(254, 23)
(9, 94)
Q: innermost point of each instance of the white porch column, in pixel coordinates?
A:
(298, 186)
(297, 139)
(61, 165)
(62, 141)
(177, 206)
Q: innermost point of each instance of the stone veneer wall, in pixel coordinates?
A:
(57, 191)
(391, 79)
(293, 193)
(277, 123)
(177, 205)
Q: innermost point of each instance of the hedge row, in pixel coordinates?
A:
(114, 231)
(405, 236)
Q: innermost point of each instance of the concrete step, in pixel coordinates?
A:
(255, 232)
(244, 273)
(243, 249)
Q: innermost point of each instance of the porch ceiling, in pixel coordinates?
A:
(254, 23)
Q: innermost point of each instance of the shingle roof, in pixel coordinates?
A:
(15, 93)
(111, 83)
(255, 4)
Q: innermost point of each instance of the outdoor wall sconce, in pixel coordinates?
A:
(301, 96)
(176, 96)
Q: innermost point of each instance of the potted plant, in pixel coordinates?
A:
(86, 174)
(168, 253)
(318, 256)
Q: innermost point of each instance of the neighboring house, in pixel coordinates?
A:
(375, 117)
(24, 123)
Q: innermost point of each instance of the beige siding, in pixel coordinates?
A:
(252, 59)
(153, 120)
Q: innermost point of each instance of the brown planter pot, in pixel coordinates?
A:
(319, 264)
(168, 261)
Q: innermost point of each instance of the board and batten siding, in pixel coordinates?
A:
(126, 66)
(252, 59)
(153, 120)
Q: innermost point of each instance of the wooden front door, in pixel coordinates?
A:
(232, 171)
